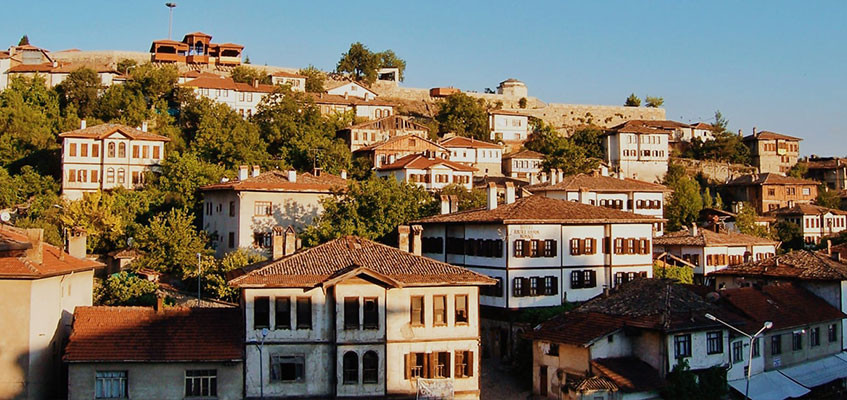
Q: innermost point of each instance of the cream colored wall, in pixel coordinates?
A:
(465, 388)
(154, 381)
(14, 342)
(571, 359)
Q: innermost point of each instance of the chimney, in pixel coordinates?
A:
(82, 124)
(454, 203)
(694, 229)
(292, 175)
(36, 252)
(255, 83)
(553, 177)
(445, 204)
(510, 192)
(242, 172)
(316, 171)
(403, 237)
(144, 126)
(561, 175)
(754, 131)
(417, 233)
(492, 195)
(829, 246)
(740, 132)
(278, 245)
(77, 242)
(292, 243)
(255, 171)
(343, 174)
(160, 305)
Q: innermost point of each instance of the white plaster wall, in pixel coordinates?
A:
(398, 315)
(316, 377)
(582, 232)
(531, 232)
(361, 389)
(619, 346)
(346, 290)
(699, 358)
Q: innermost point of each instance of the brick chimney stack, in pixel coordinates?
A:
(36, 239)
(403, 237)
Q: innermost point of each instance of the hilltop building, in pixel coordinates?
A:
(832, 171)
(296, 82)
(428, 171)
(486, 157)
(638, 150)
(390, 150)
(196, 49)
(769, 191)
(28, 61)
(773, 152)
(510, 127)
(244, 98)
(371, 109)
(352, 89)
(380, 130)
(106, 156)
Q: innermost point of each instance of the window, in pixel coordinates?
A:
(135, 151)
(461, 308)
(231, 208)
(231, 239)
(72, 149)
(441, 360)
(72, 175)
(122, 150)
(414, 363)
(518, 287)
(417, 308)
(370, 367)
(797, 341)
(577, 279)
(551, 285)
(552, 349)
(756, 351)
(549, 248)
(83, 150)
(351, 368)
(262, 208)
(815, 337)
(590, 246)
(155, 152)
(619, 246)
(776, 344)
(121, 175)
(714, 342)
(110, 175)
(110, 385)
(282, 313)
(682, 346)
(201, 383)
(771, 192)
(832, 333)
(464, 364)
(533, 286)
(287, 368)
(439, 310)
(533, 248)
(807, 192)
(519, 248)
(111, 149)
(261, 312)
(304, 313)
(737, 352)
(95, 150)
(371, 313)
(94, 176)
(351, 313)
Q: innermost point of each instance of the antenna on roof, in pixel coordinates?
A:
(170, 7)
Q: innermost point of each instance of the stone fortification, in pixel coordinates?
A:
(714, 170)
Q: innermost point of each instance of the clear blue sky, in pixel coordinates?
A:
(775, 65)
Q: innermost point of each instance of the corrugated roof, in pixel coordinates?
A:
(278, 181)
(598, 183)
(103, 131)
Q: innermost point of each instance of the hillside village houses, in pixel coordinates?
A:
(296, 82)
(525, 165)
(106, 156)
(832, 171)
(352, 89)
(773, 152)
(242, 213)
(637, 150)
(428, 171)
(354, 318)
(486, 157)
(380, 130)
(769, 191)
(815, 222)
(28, 61)
(40, 286)
(244, 98)
(397, 147)
(542, 252)
(510, 127)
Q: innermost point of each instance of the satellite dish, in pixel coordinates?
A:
(5, 216)
(129, 241)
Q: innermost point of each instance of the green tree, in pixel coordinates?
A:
(126, 289)
(684, 275)
(245, 74)
(464, 116)
(828, 198)
(121, 104)
(468, 199)
(371, 209)
(588, 138)
(746, 223)
(81, 89)
(799, 170)
(685, 203)
(23, 186)
(315, 79)
(790, 234)
(654, 102)
(182, 176)
(24, 41)
(359, 63)
(708, 201)
(96, 213)
(170, 243)
(214, 278)
(155, 83)
(219, 135)
(387, 59)
(632, 101)
(559, 152)
(718, 202)
(126, 65)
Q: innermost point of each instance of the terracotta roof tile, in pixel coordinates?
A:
(25, 68)
(786, 305)
(509, 112)
(418, 161)
(285, 74)
(391, 122)
(577, 328)
(278, 181)
(804, 209)
(461, 141)
(646, 126)
(707, 237)
(524, 154)
(325, 98)
(629, 373)
(542, 210)
(599, 183)
(826, 163)
(208, 82)
(593, 383)
(769, 178)
(768, 135)
(103, 131)
(798, 264)
(314, 266)
(395, 139)
(15, 265)
(143, 335)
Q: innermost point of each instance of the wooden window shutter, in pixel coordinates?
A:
(592, 276)
(636, 243)
(457, 357)
(593, 245)
(553, 248)
(469, 362)
(447, 366)
(629, 204)
(524, 286)
(407, 366)
(432, 361)
(555, 285)
(625, 246)
(581, 246)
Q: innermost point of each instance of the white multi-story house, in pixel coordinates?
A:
(242, 213)
(428, 171)
(637, 150)
(353, 89)
(486, 157)
(354, 318)
(598, 190)
(816, 222)
(508, 126)
(297, 82)
(242, 97)
(362, 108)
(108, 156)
(524, 164)
(542, 252)
(397, 147)
(380, 130)
(711, 251)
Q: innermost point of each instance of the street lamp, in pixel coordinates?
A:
(261, 363)
(767, 325)
(170, 7)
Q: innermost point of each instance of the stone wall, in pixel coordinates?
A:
(714, 170)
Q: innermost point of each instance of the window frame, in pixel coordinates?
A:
(714, 342)
(350, 368)
(682, 345)
(101, 379)
(208, 381)
(299, 362)
(265, 309)
(304, 325)
(435, 311)
(421, 320)
(351, 313)
(370, 318)
(461, 314)
(370, 373)
(282, 312)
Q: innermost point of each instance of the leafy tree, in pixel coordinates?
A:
(799, 170)
(245, 74)
(685, 203)
(121, 104)
(632, 101)
(464, 116)
(23, 186)
(96, 213)
(683, 275)
(214, 279)
(387, 59)
(790, 234)
(468, 199)
(361, 168)
(359, 63)
(721, 124)
(170, 243)
(182, 176)
(81, 89)
(708, 201)
(155, 83)
(828, 198)
(371, 209)
(559, 152)
(315, 79)
(126, 289)
(654, 102)
(219, 135)
(718, 202)
(522, 102)
(24, 40)
(126, 65)
(588, 138)
(745, 221)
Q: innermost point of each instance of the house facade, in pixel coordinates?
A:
(816, 222)
(770, 191)
(377, 131)
(638, 150)
(107, 156)
(242, 213)
(773, 152)
(353, 89)
(40, 287)
(354, 318)
(296, 82)
(392, 149)
(831, 171)
(525, 165)
(243, 98)
(428, 171)
(508, 126)
(371, 109)
(486, 157)
(196, 49)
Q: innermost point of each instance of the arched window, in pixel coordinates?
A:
(370, 367)
(110, 173)
(121, 174)
(378, 113)
(198, 47)
(122, 150)
(351, 368)
(111, 149)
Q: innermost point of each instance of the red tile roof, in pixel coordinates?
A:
(703, 125)
(599, 183)
(140, 334)
(395, 139)
(804, 209)
(15, 265)
(103, 131)
(524, 154)
(798, 264)
(25, 68)
(461, 141)
(351, 255)
(197, 74)
(577, 328)
(646, 127)
(542, 210)
(277, 181)
(284, 74)
(629, 373)
(707, 237)
(208, 82)
(769, 178)
(786, 305)
(418, 161)
(826, 163)
(509, 112)
(391, 122)
(768, 135)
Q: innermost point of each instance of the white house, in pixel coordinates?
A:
(625, 194)
(108, 156)
(542, 252)
(816, 222)
(377, 131)
(362, 108)
(297, 82)
(354, 318)
(637, 150)
(242, 213)
(242, 97)
(524, 164)
(486, 157)
(508, 126)
(353, 89)
(428, 171)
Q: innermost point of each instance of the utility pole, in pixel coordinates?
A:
(170, 7)
(199, 271)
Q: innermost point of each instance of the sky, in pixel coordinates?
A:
(774, 65)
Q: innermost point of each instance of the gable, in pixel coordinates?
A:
(352, 89)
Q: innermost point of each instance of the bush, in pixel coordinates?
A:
(125, 289)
